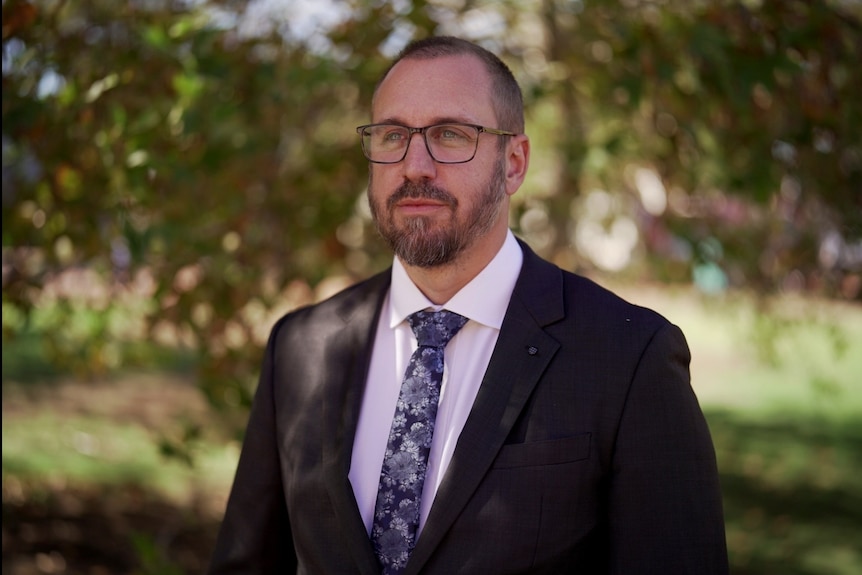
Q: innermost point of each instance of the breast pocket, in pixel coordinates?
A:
(539, 453)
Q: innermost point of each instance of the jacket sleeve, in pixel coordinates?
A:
(665, 510)
(255, 535)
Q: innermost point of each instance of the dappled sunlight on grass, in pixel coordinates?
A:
(83, 449)
(114, 433)
(87, 489)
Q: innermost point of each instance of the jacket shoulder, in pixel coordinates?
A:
(589, 300)
(552, 295)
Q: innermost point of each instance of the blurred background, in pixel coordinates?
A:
(178, 174)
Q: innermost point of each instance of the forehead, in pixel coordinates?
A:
(418, 92)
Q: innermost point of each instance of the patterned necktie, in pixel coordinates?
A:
(396, 515)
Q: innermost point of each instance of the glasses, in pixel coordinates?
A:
(447, 143)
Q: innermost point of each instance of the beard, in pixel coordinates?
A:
(421, 242)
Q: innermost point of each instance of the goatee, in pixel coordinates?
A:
(421, 241)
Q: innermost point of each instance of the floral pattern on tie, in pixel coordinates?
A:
(396, 514)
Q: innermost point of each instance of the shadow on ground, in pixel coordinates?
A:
(117, 530)
(792, 495)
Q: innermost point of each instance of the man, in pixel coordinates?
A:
(566, 438)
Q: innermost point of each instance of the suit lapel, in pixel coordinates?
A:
(348, 357)
(522, 354)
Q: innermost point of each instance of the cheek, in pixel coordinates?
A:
(378, 191)
(381, 179)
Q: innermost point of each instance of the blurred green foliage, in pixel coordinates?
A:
(171, 151)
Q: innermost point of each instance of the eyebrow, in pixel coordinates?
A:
(434, 121)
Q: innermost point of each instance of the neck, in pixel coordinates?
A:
(440, 283)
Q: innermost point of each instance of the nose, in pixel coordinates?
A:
(418, 163)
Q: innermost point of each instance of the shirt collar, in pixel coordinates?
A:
(484, 300)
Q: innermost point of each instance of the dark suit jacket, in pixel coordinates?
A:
(585, 451)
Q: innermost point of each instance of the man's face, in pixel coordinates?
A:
(429, 212)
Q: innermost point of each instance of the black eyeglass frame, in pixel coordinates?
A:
(410, 131)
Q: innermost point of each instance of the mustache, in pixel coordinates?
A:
(424, 190)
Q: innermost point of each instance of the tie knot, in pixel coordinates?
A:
(435, 328)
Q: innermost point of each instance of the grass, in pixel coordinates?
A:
(87, 487)
(87, 449)
(781, 387)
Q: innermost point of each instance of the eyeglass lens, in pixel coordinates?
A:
(447, 143)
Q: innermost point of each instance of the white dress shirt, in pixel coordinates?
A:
(484, 302)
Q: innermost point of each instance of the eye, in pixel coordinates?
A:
(387, 135)
(453, 136)
(392, 134)
(452, 133)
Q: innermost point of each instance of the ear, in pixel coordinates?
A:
(517, 162)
